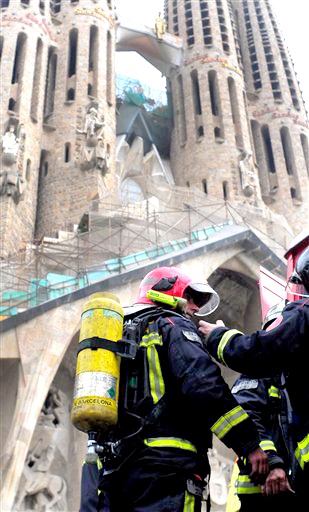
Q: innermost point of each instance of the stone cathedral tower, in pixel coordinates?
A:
(240, 127)
(240, 131)
(58, 113)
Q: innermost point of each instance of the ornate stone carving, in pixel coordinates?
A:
(160, 27)
(54, 408)
(11, 178)
(247, 174)
(42, 490)
(93, 153)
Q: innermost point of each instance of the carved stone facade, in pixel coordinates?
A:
(57, 67)
(230, 103)
(58, 101)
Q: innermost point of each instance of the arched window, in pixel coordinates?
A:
(235, 112)
(204, 183)
(260, 157)
(72, 63)
(42, 6)
(67, 152)
(1, 47)
(287, 151)
(182, 113)
(268, 149)
(304, 143)
(18, 70)
(225, 190)
(213, 90)
(215, 105)
(4, 3)
(93, 61)
(28, 170)
(197, 104)
(50, 83)
(109, 71)
(36, 80)
(73, 37)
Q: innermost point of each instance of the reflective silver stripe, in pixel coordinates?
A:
(224, 340)
(170, 442)
(245, 486)
(302, 451)
(268, 444)
(189, 502)
(228, 421)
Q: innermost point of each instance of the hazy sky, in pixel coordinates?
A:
(292, 17)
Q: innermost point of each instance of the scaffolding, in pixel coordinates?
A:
(108, 241)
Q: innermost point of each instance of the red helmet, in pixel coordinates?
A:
(173, 281)
(298, 267)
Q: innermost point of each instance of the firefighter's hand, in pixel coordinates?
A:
(276, 482)
(206, 328)
(259, 466)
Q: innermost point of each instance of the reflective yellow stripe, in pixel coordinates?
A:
(170, 442)
(189, 502)
(228, 421)
(156, 382)
(273, 392)
(302, 451)
(98, 463)
(224, 340)
(245, 486)
(268, 444)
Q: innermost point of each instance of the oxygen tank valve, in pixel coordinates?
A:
(92, 448)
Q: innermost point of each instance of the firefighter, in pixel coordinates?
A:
(284, 348)
(172, 399)
(267, 403)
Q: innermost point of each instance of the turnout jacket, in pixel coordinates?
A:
(171, 367)
(285, 348)
(172, 362)
(267, 403)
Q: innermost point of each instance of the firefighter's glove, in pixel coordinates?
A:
(276, 483)
(206, 328)
(258, 461)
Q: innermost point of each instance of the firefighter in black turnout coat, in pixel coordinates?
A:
(268, 405)
(284, 348)
(172, 399)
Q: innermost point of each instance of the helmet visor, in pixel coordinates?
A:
(296, 289)
(204, 296)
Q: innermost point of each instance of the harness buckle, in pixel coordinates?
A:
(127, 348)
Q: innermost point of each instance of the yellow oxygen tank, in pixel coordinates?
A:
(95, 400)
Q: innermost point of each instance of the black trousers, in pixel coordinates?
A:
(164, 480)
(286, 502)
(89, 488)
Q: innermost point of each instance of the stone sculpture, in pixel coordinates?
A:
(11, 178)
(246, 169)
(53, 410)
(42, 490)
(93, 152)
(160, 27)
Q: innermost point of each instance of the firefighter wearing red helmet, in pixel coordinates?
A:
(172, 399)
(284, 348)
